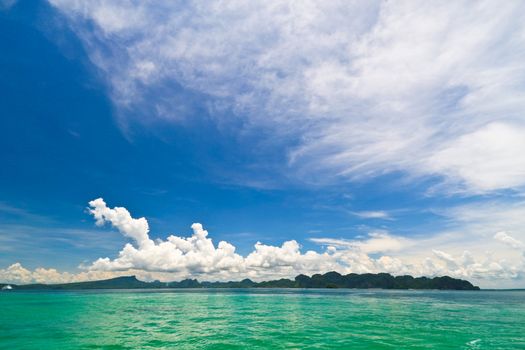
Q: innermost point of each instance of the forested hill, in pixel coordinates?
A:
(327, 280)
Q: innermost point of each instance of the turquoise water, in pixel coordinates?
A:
(263, 319)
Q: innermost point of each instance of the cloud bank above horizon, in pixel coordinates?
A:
(359, 89)
(496, 261)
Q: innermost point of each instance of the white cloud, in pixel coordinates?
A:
(367, 87)
(489, 158)
(372, 214)
(137, 229)
(377, 242)
(17, 274)
(509, 240)
(193, 255)
(197, 255)
(474, 247)
(466, 252)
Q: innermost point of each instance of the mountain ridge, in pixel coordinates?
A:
(327, 280)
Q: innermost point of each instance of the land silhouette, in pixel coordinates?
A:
(328, 280)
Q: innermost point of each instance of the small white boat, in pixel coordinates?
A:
(7, 287)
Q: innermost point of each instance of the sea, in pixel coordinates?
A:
(262, 319)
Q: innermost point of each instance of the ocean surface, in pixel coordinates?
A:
(262, 319)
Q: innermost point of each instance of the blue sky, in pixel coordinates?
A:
(380, 136)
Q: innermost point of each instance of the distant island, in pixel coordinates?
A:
(327, 280)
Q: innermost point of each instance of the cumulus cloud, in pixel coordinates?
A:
(466, 266)
(137, 229)
(509, 240)
(193, 255)
(364, 88)
(198, 256)
(475, 246)
(18, 274)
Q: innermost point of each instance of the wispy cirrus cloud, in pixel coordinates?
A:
(372, 214)
(7, 4)
(17, 212)
(362, 89)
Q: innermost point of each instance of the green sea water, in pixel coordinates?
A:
(263, 319)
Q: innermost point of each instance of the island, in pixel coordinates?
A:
(328, 280)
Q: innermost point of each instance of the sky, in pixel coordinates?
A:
(262, 139)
